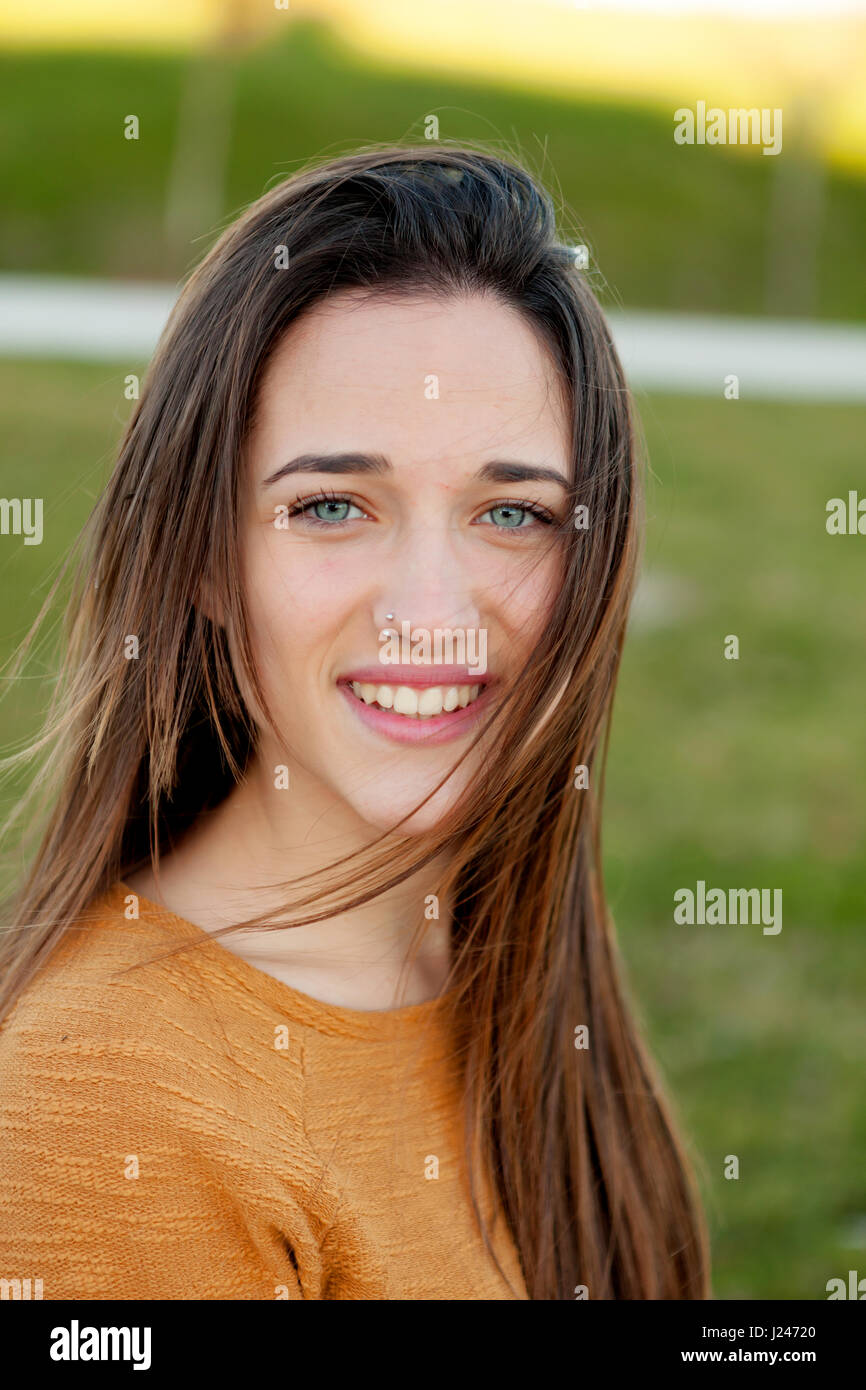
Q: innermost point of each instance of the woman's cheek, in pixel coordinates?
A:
(300, 603)
(527, 594)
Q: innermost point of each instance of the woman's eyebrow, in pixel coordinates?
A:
(331, 463)
(497, 471)
(506, 471)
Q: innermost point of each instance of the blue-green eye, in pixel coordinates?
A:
(331, 511)
(517, 516)
(509, 516)
(326, 510)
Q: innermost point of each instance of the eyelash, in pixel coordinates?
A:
(304, 504)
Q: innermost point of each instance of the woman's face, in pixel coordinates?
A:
(437, 433)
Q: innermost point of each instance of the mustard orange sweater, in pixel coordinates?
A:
(194, 1128)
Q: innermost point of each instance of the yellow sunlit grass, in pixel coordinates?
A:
(85, 23)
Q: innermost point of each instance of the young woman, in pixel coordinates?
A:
(311, 990)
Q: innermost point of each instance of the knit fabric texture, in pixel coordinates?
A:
(194, 1128)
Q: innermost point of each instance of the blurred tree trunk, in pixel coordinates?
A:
(798, 190)
(195, 200)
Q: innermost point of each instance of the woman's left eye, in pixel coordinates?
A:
(516, 516)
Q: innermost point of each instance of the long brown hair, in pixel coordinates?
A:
(579, 1141)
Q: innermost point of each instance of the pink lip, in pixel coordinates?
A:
(420, 677)
(439, 728)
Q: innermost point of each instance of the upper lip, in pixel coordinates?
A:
(421, 677)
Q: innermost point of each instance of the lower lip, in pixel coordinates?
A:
(400, 728)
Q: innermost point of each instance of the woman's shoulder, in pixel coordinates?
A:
(118, 1062)
(132, 994)
(109, 965)
(117, 1033)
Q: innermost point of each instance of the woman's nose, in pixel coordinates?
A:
(426, 584)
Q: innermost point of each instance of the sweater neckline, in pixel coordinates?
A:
(286, 999)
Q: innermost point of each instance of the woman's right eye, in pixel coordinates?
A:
(326, 511)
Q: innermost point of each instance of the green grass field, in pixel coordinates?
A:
(743, 773)
(750, 773)
(669, 226)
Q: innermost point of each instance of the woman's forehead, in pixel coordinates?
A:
(460, 374)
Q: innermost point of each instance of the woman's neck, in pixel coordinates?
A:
(230, 865)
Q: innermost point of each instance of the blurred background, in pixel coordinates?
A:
(713, 261)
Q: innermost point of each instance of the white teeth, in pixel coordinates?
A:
(417, 704)
(430, 701)
(405, 700)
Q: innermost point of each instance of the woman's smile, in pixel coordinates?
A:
(432, 705)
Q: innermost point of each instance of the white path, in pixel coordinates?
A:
(94, 320)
